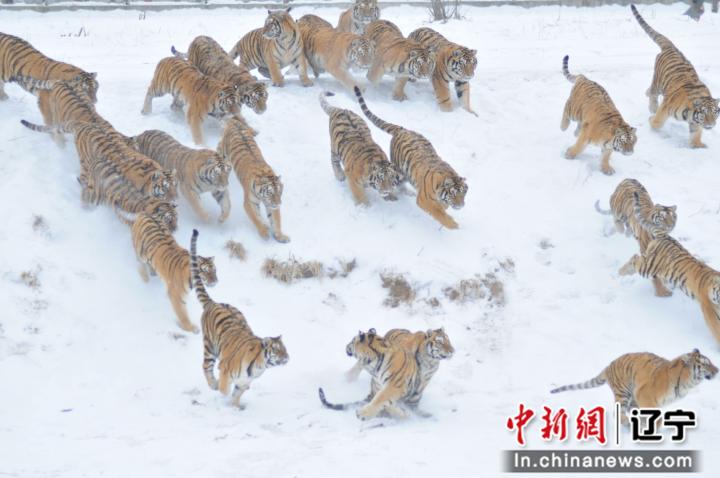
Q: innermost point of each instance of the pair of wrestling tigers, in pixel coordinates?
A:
(685, 98)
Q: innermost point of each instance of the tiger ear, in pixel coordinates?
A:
(473, 52)
(93, 75)
(266, 342)
(673, 208)
(696, 351)
(372, 331)
(269, 12)
(633, 129)
(288, 9)
(221, 94)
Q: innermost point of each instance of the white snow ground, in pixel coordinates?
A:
(98, 380)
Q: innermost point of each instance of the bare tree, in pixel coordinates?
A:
(444, 10)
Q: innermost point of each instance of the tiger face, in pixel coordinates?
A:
(715, 290)
(165, 213)
(274, 351)
(85, 83)
(163, 183)
(366, 11)
(461, 63)
(362, 53)
(701, 366)
(215, 171)
(384, 178)
(363, 347)
(705, 112)
(437, 344)
(624, 140)
(277, 23)
(206, 268)
(421, 63)
(452, 192)
(269, 190)
(664, 217)
(255, 97)
(225, 101)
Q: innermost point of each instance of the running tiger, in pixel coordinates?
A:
(19, 58)
(401, 57)
(208, 56)
(598, 120)
(437, 184)
(685, 97)
(203, 95)
(227, 336)
(645, 380)
(453, 63)
(354, 153)
(259, 182)
(158, 253)
(198, 170)
(326, 49)
(356, 18)
(273, 47)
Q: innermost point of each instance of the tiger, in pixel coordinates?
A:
(354, 153)
(685, 97)
(355, 19)
(395, 373)
(19, 58)
(103, 157)
(274, 46)
(437, 184)
(204, 95)
(259, 182)
(334, 52)
(598, 120)
(453, 63)
(198, 170)
(158, 253)
(243, 356)
(646, 380)
(209, 57)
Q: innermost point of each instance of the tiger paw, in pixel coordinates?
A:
(698, 145)
(569, 154)
(279, 84)
(390, 197)
(608, 171)
(446, 107)
(399, 96)
(264, 232)
(281, 238)
(3, 96)
(363, 414)
(190, 328)
(307, 82)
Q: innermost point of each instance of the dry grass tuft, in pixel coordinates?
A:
(31, 279)
(291, 270)
(399, 289)
(488, 287)
(236, 250)
(346, 267)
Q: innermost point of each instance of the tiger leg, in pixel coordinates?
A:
(652, 93)
(710, 314)
(376, 71)
(276, 226)
(343, 76)
(194, 119)
(194, 200)
(358, 191)
(178, 304)
(353, 374)
(225, 381)
(658, 120)
(399, 89)
(436, 211)
(632, 266)
(695, 134)
(209, 363)
(605, 162)
(566, 117)
(462, 90)
(442, 93)
(625, 404)
(223, 199)
(253, 212)
(337, 167)
(49, 117)
(660, 289)
(177, 104)
(300, 64)
(237, 394)
(578, 147)
(275, 74)
(143, 270)
(3, 95)
(152, 93)
(384, 399)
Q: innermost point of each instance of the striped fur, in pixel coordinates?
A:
(198, 170)
(18, 58)
(274, 46)
(437, 184)
(260, 184)
(227, 338)
(354, 153)
(356, 18)
(685, 97)
(646, 380)
(204, 95)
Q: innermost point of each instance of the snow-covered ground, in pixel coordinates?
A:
(97, 379)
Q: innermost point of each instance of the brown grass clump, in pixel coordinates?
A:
(30, 278)
(346, 267)
(480, 287)
(291, 270)
(399, 289)
(40, 226)
(236, 250)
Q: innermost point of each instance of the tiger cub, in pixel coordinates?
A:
(685, 97)
(204, 95)
(355, 19)
(274, 46)
(198, 170)
(437, 184)
(18, 58)
(158, 253)
(227, 336)
(598, 120)
(453, 63)
(396, 55)
(645, 380)
(354, 153)
(334, 52)
(259, 182)
(208, 56)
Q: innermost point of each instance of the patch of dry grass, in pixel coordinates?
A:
(399, 289)
(291, 270)
(236, 250)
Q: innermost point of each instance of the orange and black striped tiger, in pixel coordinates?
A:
(356, 18)
(437, 184)
(208, 56)
(274, 46)
(645, 380)
(685, 97)
(204, 95)
(198, 170)
(453, 63)
(227, 337)
(354, 153)
(18, 58)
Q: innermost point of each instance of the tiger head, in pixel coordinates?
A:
(367, 347)
(164, 184)
(225, 101)
(452, 191)
(365, 11)
(269, 190)
(274, 351)
(254, 97)
(461, 63)
(624, 140)
(215, 170)
(362, 52)
(705, 112)
(164, 212)
(664, 217)
(701, 367)
(437, 344)
(715, 290)
(87, 83)
(420, 63)
(384, 178)
(277, 23)
(208, 273)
